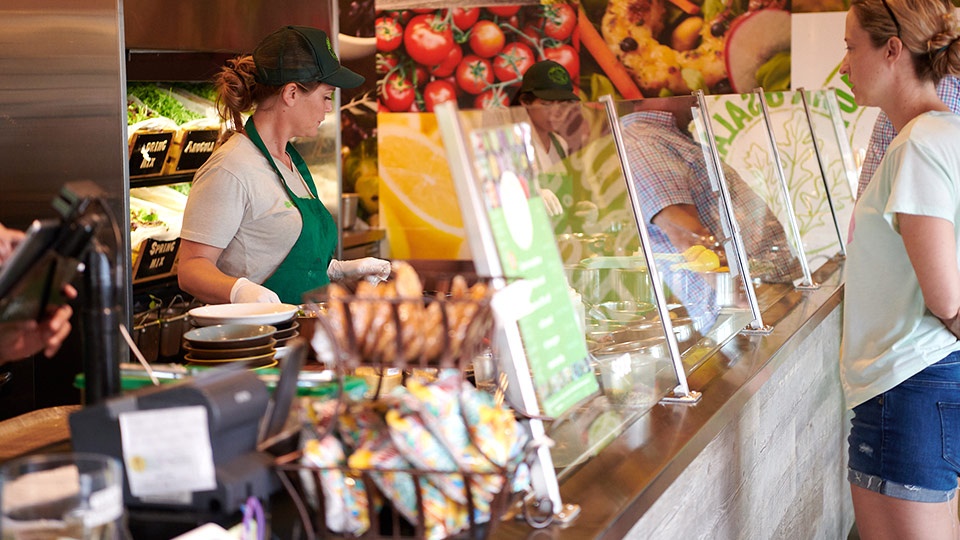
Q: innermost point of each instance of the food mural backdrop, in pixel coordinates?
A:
(476, 56)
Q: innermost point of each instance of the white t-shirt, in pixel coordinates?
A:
(888, 333)
(237, 203)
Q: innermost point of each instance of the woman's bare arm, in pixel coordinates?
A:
(931, 245)
(198, 274)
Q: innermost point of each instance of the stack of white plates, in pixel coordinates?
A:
(241, 319)
(249, 333)
(252, 345)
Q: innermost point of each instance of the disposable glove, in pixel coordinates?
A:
(550, 200)
(372, 269)
(246, 291)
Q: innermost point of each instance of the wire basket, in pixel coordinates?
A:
(392, 492)
(397, 324)
(440, 460)
(320, 497)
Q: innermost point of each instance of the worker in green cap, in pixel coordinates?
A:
(255, 229)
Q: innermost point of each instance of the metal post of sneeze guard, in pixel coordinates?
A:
(513, 359)
(807, 283)
(823, 170)
(682, 393)
(846, 152)
(703, 124)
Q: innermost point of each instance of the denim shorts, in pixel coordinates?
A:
(905, 443)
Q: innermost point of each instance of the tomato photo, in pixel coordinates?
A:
(428, 39)
(420, 77)
(449, 64)
(486, 39)
(452, 79)
(474, 74)
(503, 11)
(402, 16)
(386, 62)
(438, 91)
(464, 18)
(566, 56)
(512, 62)
(513, 21)
(389, 34)
(557, 21)
(397, 93)
(532, 31)
(493, 98)
(475, 56)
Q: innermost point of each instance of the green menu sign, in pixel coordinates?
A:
(552, 340)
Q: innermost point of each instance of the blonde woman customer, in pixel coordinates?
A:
(900, 365)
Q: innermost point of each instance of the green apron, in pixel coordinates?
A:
(561, 223)
(305, 267)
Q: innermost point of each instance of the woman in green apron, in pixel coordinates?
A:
(255, 229)
(547, 95)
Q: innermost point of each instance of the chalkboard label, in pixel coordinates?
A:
(157, 258)
(196, 148)
(149, 152)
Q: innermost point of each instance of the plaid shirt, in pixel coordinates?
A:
(883, 133)
(670, 168)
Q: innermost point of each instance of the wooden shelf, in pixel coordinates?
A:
(161, 180)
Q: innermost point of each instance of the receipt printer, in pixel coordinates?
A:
(188, 446)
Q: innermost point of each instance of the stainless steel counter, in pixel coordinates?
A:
(621, 483)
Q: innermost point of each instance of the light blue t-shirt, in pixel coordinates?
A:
(888, 333)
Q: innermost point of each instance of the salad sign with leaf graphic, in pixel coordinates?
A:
(744, 143)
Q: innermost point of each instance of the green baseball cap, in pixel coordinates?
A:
(301, 54)
(548, 80)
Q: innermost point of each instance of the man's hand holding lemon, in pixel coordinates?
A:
(701, 250)
(699, 259)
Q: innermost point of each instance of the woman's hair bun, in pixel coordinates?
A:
(944, 47)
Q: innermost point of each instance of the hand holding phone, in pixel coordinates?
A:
(20, 339)
(42, 264)
(9, 239)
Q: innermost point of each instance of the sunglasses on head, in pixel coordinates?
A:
(892, 16)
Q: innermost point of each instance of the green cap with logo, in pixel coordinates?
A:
(548, 80)
(301, 54)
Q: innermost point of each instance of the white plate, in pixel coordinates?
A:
(230, 336)
(243, 313)
(283, 341)
(261, 358)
